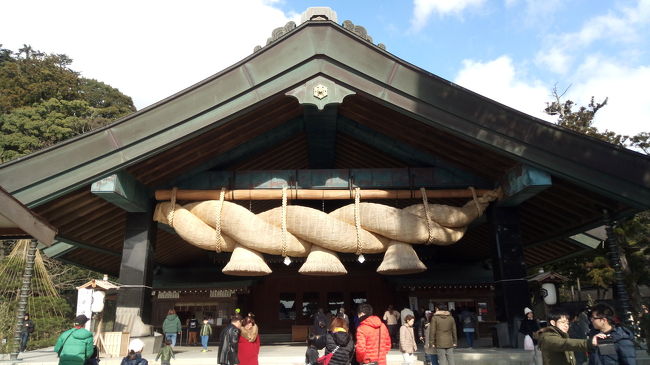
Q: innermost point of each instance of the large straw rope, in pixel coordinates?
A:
(336, 231)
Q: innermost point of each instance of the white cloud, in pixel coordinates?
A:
(536, 13)
(628, 108)
(535, 7)
(555, 60)
(422, 9)
(627, 26)
(148, 49)
(499, 80)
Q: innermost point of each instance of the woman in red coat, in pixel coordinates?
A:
(249, 342)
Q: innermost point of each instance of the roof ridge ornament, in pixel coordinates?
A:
(318, 14)
(322, 13)
(361, 32)
(277, 33)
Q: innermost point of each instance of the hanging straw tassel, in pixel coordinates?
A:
(400, 258)
(245, 262)
(322, 262)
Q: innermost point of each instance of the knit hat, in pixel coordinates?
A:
(527, 310)
(136, 345)
(80, 320)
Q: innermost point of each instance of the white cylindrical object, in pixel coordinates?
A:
(549, 292)
(98, 301)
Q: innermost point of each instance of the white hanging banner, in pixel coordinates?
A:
(98, 301)
(84, 303)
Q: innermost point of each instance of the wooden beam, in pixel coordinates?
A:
(522, 183)
(320, 126)
(203, 174)
(15, 215)
(12, 232)
(88, 247)
(384, 178)
(313, 194)
(445, 171)
(124, 191)
(87, 267)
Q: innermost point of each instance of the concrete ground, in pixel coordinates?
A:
(294, 354)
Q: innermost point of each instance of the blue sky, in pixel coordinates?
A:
(513, 51)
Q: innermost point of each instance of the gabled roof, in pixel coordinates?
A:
(322, 48)
(389, 113)
(101, 284)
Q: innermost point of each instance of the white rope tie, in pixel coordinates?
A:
(478, 205)
(284, 221)
(170, 218)
(357, 220)
(217, 224)
(425, 202)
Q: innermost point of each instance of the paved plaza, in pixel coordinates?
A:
(293, 354)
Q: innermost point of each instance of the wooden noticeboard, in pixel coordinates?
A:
(116, 344)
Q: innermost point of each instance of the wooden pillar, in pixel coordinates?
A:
(511, 286)
(136, 275)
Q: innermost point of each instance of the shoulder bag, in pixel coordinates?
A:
(63, 344)
(325, 359)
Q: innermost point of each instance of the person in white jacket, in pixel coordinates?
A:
(407, 344)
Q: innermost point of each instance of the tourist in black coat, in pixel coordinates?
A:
(229, 342)
(338, 336)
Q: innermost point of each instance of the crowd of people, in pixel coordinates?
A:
(591, 337)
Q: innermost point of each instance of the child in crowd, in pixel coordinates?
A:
(206, 332)
(135, 353)
(312, 352)
(166, 353)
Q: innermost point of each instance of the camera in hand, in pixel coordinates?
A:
(605, 341)
(606, 346)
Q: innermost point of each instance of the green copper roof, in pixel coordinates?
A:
(326, 50)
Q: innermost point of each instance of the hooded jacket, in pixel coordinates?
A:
(373, 340)
(625, 353)
(557, 348)
(74, 346)
(344, 341)
(442, 331)
(166, 353)
(171, 324)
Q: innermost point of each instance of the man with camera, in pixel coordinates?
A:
(554, 342)
(617, 346)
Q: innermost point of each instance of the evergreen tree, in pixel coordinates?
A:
(44, 102)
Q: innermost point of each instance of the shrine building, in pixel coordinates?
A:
(322, 171)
